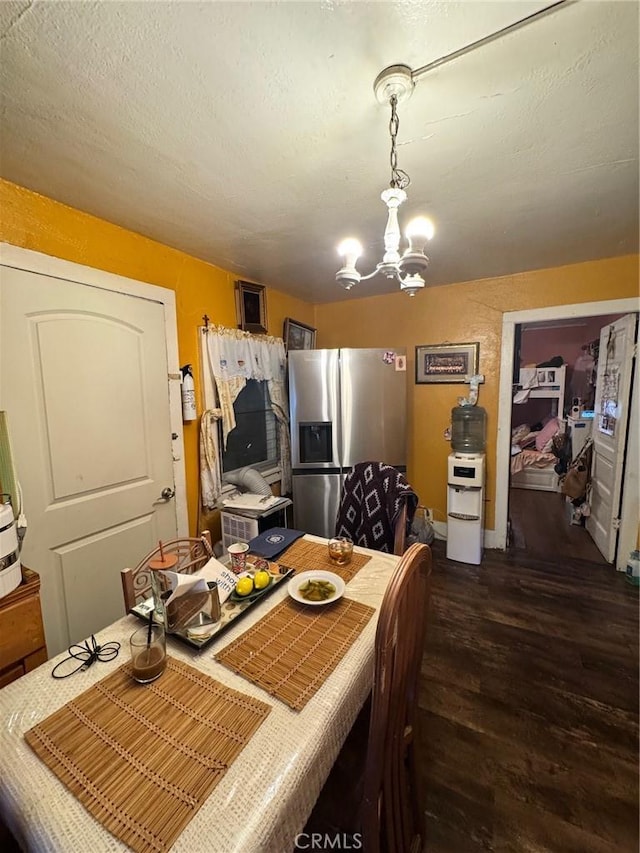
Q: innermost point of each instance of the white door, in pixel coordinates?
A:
(84, 379)
(613, 395)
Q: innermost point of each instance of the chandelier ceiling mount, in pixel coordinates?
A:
(395, 80)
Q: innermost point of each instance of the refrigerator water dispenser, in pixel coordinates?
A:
(316, 442)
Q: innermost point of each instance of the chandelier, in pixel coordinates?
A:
(392, 86)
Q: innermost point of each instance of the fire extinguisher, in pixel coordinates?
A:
(188, 394)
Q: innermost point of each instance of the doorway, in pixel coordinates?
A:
(560, 359)
(539, 502)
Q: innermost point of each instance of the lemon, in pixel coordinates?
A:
(244, 586)
(261, 579)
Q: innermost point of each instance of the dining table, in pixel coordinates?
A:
(263, 800)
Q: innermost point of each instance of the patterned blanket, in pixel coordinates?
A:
(372, 499)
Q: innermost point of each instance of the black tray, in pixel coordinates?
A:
(232, 610)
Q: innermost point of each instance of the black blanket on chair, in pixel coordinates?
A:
(372, 499)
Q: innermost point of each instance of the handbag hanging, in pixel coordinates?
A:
(576, 480)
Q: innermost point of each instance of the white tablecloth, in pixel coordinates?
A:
(266, 796)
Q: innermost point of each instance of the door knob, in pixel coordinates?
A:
(167, 493)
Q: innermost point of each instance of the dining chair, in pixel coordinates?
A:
(391, 818)
(372, 789)
(377, 506)
(192, 554)
(400, 531)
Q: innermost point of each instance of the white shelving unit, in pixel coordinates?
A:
(548, 384)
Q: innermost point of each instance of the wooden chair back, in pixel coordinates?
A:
(391, 818)
(400, 532)
(192, 554)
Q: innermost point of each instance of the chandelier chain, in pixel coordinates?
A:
(399, 179)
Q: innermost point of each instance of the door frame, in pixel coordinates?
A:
(510, 320)
(36, 262)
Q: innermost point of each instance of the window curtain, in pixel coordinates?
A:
(236, 356)
(210, 471)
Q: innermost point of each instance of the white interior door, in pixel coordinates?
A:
(84, 379)
(613, 395)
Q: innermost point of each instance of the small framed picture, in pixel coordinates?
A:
(298, 335)
(251, 307)
(446, 363)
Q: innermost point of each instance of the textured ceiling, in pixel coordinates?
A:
(247, 134)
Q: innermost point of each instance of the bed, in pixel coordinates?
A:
(534, 469)
(532, 462)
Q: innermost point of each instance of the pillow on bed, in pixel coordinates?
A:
(529, 440)
(519, 432)
(544, 438)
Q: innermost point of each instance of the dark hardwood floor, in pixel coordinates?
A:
(540, 526)
(528, 709)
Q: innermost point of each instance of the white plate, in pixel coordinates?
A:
(296, 582)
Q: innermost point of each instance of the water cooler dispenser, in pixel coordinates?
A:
(465, 484)
(465, 507)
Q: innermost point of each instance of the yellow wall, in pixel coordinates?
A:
(34, 222)
(471, 311)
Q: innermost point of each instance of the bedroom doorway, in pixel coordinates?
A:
(539, 518)
(554, 376)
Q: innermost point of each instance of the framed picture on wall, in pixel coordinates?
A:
(298, 335)
(446, 363)
(251, 307)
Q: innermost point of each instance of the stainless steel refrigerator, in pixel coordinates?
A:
(346, 406)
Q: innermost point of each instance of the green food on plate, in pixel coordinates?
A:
(316, 590)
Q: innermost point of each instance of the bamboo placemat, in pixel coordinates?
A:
(310, 556)
(294, 648)
(142, 759)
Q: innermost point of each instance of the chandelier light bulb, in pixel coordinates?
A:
(421, 226)
(418, 231)
(350, 249)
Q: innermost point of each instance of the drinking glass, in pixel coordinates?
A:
(148, 653)
(340, 550)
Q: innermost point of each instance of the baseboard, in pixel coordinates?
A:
(491, 540)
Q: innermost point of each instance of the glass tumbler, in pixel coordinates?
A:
(340, 550)
(148, 653)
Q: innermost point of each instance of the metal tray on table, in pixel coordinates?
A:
(200, 633)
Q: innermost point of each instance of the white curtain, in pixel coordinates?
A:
(236, 356)
(210, 474)
(278, 394)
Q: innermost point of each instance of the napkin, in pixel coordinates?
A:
(272, 542)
